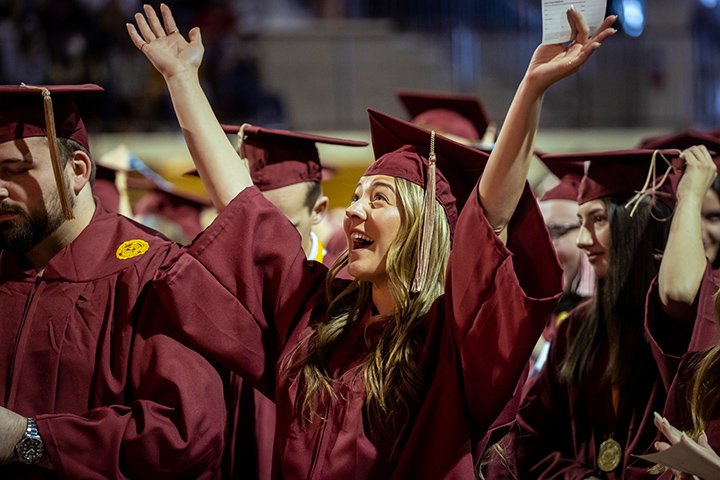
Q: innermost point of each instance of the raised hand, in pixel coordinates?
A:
(700, 171)
(503, 181)
(165, 47)
(551, 63)
(178, 60)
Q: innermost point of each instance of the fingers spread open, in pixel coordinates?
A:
(194, 36)
(167, 16)
(145, 30)
(607, 23)
(154, 21)
(604, 34)
(135, 36)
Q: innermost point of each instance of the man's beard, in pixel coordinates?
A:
(25, 231)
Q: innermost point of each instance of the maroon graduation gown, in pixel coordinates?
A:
(87, 349)
(675, 354)
(250, 431)
(706, 332)
(676, 408)
(105, 190)
(478, 336)
(670, 338)
(560, 427)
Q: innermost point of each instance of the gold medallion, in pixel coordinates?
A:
(609, 455)
(131, 249)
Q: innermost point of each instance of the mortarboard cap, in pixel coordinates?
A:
(402, 150)
(624, 172)
(279, 158)
(50, 111)
(684, 140)
(459, 115)
(22, 112)
(569, 172)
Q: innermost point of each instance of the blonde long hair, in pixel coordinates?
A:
(391, 371)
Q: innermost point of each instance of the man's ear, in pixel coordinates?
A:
(320, 209)
(80, 166)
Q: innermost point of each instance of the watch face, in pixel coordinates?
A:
(30, 450)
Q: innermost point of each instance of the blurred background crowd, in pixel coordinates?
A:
(317, 64)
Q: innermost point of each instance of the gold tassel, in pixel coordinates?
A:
(241, 140)
(54, 154)
(121, 183)
(651, 187)
(428, 227)
(488, 139)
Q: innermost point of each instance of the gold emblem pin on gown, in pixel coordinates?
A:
(609, 455)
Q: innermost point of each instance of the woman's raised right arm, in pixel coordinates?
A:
(243, 285)
(178, 61)
(683, 264)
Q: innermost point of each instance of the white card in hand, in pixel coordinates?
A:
(556, 28)
(689, 457)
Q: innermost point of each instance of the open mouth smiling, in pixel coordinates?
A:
(360, 240)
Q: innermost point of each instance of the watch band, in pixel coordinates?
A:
(30, 448)
(31, 429)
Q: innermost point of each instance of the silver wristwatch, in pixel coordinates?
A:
(30, 448)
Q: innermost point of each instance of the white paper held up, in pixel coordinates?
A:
(556, 28)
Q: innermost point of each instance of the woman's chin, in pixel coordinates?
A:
(355, 271)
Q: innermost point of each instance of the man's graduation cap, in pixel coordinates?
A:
(45, 111)
(279, 158)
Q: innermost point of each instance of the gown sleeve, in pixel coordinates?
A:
(670, 338)
(706, 329)
(240, 289)
(172, 426)
(498, 300)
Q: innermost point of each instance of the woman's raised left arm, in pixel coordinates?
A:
(504, 178)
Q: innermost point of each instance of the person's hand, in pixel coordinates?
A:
(673, 435)
(551, 63)
(700, 171)
(165, 47)
(12, 427)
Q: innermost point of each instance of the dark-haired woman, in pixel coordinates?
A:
(590, 408)
(687, 276)
(401, 371)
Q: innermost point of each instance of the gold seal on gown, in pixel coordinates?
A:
(609, 455)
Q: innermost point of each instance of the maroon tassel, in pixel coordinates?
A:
(428, 227)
